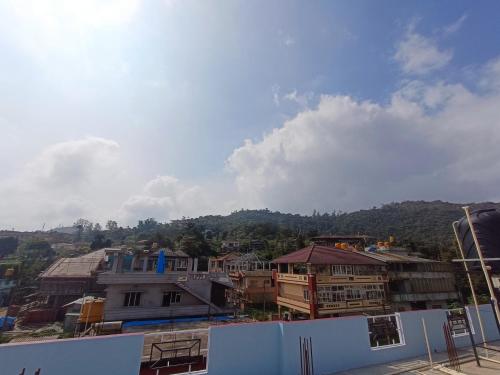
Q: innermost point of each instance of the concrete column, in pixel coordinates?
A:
(195, 265)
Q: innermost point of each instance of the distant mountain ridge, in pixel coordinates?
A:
(421, 221)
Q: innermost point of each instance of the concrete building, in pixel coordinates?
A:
(137, 289)
(417, 283)
(320, 281)
(69, 278)
(252, 278)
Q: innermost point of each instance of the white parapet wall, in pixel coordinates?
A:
(115, 354)
(338, 344)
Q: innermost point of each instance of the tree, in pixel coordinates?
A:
(8, 245)
(97, 227)
(99, 242)
(111, 225)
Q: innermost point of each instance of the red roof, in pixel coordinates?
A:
(316, 254)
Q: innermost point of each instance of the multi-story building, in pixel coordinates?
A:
(417, 283)
(221, 262)
(138, 288)
(68, 279)
(253, 281)
(320, 281)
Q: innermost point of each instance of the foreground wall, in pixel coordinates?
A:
(117, 354)
(338, 344)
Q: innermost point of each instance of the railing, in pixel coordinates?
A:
(350, 279)
(192, 334)
(300, 279)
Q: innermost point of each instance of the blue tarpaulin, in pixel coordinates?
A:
(139, 323)
(7, 322)
(160, 267)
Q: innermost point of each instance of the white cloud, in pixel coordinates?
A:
(63, 182)
(419, 55)
(166, 197)
(302, 100)
(455, 26)
(433, 141)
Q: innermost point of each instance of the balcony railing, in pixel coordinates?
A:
(288, 277)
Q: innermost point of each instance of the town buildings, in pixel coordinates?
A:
(320, 281)
(147, 284)
(70, 278)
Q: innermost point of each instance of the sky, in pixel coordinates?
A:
(132, 109)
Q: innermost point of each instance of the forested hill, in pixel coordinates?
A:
(411, 221)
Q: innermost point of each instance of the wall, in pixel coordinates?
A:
(116, 354)
(151, 300)
(338, 344)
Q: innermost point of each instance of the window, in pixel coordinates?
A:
(182, 264)
(306, 295)
(170, 298)
(132, 299)
(341, 269)
(457, 323)
(385, 331)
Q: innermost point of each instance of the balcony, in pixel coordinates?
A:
(321, 279)
(291, 278)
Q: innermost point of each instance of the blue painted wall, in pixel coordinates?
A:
(338, 344)
(118, 354)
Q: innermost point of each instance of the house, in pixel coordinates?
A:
(163, 283)
(70, 278)
(221, 262)
(252, 278)
(322, 281)
(417, 283)
(414, 282)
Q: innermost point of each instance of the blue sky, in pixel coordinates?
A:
(128, 109)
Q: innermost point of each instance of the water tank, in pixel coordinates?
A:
(487, 227)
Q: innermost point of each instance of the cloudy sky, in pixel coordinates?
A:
(132, 109)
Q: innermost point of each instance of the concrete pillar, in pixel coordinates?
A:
(195, 265)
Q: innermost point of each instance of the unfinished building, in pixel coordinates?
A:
(154, 284)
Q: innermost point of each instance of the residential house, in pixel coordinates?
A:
(70, 278)
(252, 278)
(160, 284)
(321, 281)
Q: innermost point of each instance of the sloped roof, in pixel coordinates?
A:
(228, 256)
(316, 254)
(82, 266)
(398, 258)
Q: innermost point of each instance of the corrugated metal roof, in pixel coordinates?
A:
(82, 266)
(316, 254)
(397, 258)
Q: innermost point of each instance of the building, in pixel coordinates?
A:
(160, 284)
(230, 246)
(252, 278)
(70, 278)
(320, 281)
(417, 283)
(221, 262)
(414, 283)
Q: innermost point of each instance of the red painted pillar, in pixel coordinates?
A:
(311, 285)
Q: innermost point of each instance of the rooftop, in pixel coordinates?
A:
(82, 266)
(316, 254)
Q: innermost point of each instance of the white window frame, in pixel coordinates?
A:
(399, 328)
